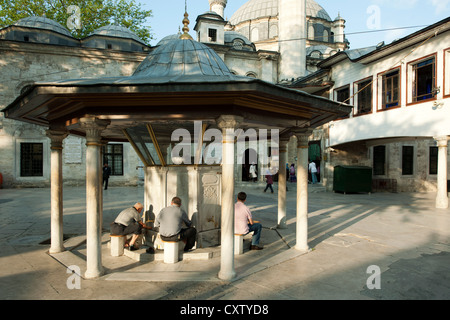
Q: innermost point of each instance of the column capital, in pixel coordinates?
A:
(302, 135)
(442, 141)
(302, 140)
(229, 121)
(93, 127)
(56, 138)
(283, 142)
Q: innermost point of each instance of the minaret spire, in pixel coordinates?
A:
(186, 35)
(218, 6)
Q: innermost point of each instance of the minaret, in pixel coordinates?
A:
(218, 6)
(292, 38)
(338, 29)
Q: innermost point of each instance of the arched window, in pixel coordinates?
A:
(311, 34)
(251, 74)
(255, 35)
(238, 44)
(273, 31)
(325, 36)
(316, 54)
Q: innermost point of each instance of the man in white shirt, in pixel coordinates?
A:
(243, 221)
(313, 171)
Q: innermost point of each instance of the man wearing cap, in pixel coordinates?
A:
(129, 222)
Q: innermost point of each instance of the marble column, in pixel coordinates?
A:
(228, 124)
(442, 192)
(56, 190)
(282, 185)
(93, 128)
(302, 193)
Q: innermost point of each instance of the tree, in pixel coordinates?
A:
(80, 16)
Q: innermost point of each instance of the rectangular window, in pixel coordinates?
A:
(113, 155)
(364, 96)
(379, 160)
(31, 159)
(342, 95)
(212, 34)
(407, 160)
(433, 160)
(447, 72)
(390, 89)
(424, 80)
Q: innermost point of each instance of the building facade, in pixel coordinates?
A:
(399, 91)
(400, 118)
(37, 49)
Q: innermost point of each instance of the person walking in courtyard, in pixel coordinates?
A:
(170, 222)
(269, 181)
(292, 177)
(106, 174)
(252, 172)
(313, 171)
(243, 222)
(129, 222)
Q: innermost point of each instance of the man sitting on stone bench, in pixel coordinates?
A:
(243, 221)
(129, 222)
(170, 221)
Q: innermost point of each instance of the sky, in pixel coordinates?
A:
(368, 22)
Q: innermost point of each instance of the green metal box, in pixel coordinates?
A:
(352, 179)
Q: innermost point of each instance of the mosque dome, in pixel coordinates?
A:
(116, 31)
(182, 57)
(42, 23)
(255, 9)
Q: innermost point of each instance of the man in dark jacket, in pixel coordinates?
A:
(106, 174)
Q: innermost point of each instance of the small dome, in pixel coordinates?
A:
(255, 9)
(180, 58)
(43, 23)
(233, 35)
(166, 39)
(211, 15)
(117, 32)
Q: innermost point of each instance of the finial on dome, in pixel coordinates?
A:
(186, 35)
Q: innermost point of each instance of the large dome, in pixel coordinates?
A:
(254, 9)
(42, 23)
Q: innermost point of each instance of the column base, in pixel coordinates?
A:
(302, 248)
(442, 203)
(282, 224)
(56, 250)
(227, 276)
(93, 274)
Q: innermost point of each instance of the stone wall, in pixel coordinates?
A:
(22, 64)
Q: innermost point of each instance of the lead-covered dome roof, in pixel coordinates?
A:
(254, 9)
(42, 23)
(116, 31)
(182, 57)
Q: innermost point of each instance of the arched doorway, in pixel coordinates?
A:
(250, 156)
(315, 154)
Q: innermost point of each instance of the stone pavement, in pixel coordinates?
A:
(400, 235)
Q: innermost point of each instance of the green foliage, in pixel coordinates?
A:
(93, 14)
